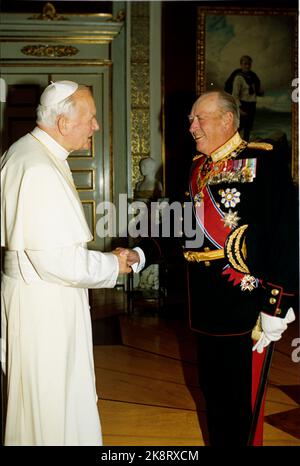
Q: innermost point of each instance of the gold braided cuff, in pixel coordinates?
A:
(235, 249)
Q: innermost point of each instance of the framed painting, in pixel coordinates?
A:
(270, 38)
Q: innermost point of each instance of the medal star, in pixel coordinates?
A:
(231, 219)
(247, 174)
(198, 199)
(230, 197)
(248, 283)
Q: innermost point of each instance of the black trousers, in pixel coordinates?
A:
(225, 376)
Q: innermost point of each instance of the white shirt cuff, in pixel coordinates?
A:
(138, 266)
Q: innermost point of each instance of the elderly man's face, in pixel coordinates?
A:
(83, 124)
(208, 125)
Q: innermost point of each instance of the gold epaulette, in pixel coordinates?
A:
(260, 145)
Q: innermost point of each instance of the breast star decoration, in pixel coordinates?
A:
(230, 197)
(248, 283)
(231, 219)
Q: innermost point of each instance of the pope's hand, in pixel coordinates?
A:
(272, 329)
(122, 255)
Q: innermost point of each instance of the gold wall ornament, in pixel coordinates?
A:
(49, 14)
(140, 86)
(119, 18)
(49, 50)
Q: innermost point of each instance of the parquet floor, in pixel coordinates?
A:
(147, 382)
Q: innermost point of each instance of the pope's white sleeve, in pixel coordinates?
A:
(75, 266)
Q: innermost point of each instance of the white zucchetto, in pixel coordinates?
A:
(57, 91)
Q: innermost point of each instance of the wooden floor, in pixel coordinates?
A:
(147, 381)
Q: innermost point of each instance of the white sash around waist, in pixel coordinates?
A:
(18, 266)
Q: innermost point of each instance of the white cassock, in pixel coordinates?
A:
(46, 325)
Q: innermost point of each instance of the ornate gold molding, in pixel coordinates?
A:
(140, 86)
(119, 18)
(42, 62)
(49, 50)
(104, 39)
(49, 14)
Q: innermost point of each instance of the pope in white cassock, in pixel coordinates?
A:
(46, 327)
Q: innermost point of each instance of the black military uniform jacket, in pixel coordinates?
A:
(244, 203)
(248, 260)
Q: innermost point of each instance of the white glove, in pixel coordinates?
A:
(272, 329)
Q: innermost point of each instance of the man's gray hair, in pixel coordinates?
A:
(47, 115)
(227, 103)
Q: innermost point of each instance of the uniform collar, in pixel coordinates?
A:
(53, 146)
(228, 148)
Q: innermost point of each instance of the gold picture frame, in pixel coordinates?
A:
(270, 37)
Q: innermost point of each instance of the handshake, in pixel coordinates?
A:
(126, 258)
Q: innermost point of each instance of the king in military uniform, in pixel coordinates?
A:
(245, 272)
